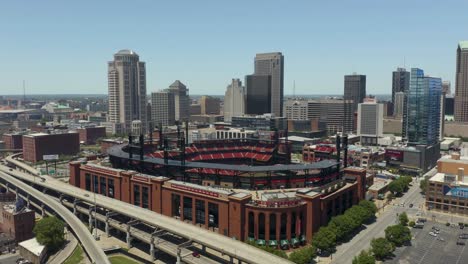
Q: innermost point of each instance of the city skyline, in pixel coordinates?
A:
(309, 37)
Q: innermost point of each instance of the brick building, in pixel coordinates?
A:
(17, 221)
(13, 141)
(39, 144)
(279, 217)
(89, 135)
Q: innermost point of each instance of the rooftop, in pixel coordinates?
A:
(463, 45)
(33, 246)
(126, 52)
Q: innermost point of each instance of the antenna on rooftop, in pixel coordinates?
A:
(404, 62)
(24, 91)
(294, 89)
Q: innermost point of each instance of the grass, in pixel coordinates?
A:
(76, 257)
(122, 260)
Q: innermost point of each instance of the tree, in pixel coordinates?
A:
(343, 225)
(303, 255)
(369, 206)
(412, 224)
(403, 219)
(390, 196)
(381, 248)
(365, 257)
(396, 187)
(423, 185)
(398, 234)
(50, 232)
(325, 239)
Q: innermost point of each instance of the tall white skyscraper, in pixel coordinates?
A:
(127, 90)
(370, 121)
(234, 100)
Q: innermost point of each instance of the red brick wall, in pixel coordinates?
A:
(62, 144)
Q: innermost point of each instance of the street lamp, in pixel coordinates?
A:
(95, 208)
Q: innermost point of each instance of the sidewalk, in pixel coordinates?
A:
(66, 252)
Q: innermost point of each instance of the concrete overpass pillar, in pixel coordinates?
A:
(203, 248)
(152, 250)
(179, 261)
(90, 219)
(129, 237)
(75, 211)
(107, 229)
(42, 210)
(28, 201)
(231, 259)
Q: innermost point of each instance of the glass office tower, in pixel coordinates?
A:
(421, 124)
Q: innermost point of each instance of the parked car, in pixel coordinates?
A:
(432, 234)
(463, 236)
(460, 242)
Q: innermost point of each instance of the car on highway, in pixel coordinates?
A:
(463, 236)
(460, 242)
(196, 254)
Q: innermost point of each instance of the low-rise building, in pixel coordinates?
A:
(32, 251)
(36, 145)
(89, 135)
(17, 221)
(13, 140)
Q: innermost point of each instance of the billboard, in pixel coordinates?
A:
(394, 155)
(50, 157)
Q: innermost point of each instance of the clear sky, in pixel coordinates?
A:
(63, 46)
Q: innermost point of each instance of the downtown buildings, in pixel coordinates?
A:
(461, 85)
(234, 100)
(370, 121)
(127, 89)
(272, 64)
(355, 89)
(400, 82)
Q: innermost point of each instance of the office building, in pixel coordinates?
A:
(461, 84)
(13, 140)
(36, 145)
(272, 64)
(355, 89)
(258, 99)
(181, 100)
(209, 105)
(446, 88)
(127, 89)
(449, 105)
(335, 115)
(268, 122)
(398, 106)
(400, 82)
(137, 128)
(89, 135)
(370, 121)
(162, 108)
(16, 220)
(421, 124)
(234, 100)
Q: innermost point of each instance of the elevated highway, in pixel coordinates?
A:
(234, 250)
(89, 244)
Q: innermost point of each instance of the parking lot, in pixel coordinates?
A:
(425, 248)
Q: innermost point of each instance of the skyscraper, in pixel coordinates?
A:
(127, 89)
(461, 84)
(258, 101)
(398, 106)
(421, 124)
(209, 105)
(272, 64)
(162, 108)
(355, 89)
(400, 82)
(370, 121)
(234, 100)
(446, 88)
(181, 100)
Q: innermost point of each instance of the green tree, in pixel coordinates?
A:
(365, 257)
(343, 225)
(303, 256)
(398, 234)
(50, 232)
(396, 187)
(423, 185)
(412, 224)
(325, 239)
(390, 196)
(403, 219)
(369, 206)
(358, 214)
(381, 248)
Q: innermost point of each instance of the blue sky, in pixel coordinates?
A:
(63, 46)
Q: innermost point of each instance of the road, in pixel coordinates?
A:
(361, 241)
(217, 242)
(91, 247)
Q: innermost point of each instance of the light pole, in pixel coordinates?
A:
(95, 209)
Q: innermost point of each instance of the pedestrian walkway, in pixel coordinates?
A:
(66, 252)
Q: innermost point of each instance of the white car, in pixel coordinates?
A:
(432, 234)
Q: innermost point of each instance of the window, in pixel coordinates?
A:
(136, 195)
(213, 214)
(200, 212)
(88, 181)
(95, 183)
(110, 187)
(175, 205)
(188, 208)
(102, 183)
(144, 197)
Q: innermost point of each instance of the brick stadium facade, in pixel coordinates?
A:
(277, 217)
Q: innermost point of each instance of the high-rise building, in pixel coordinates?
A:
(461, 84)
(234, 100)
(162, 108)
(446, 88)
(258, 94)
(209, 105)
(127, 89)
(370, 121)
(272, 64)
(181, 100)
(421, 124)
(336, 115)
(398, 106)
(400, 82)
(355, 89)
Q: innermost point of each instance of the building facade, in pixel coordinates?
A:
(127, 89)
(89, 135)
(258, 98)
(163, 108)
(13, 141)
(209, 105)
(181, 100)
(234, 100)
(398, 106)
(272, 64)
(17, 221)
(35, 146)
(461, 84)
(421, 124)
(370, 121)
(355, 89)
(400, 82)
